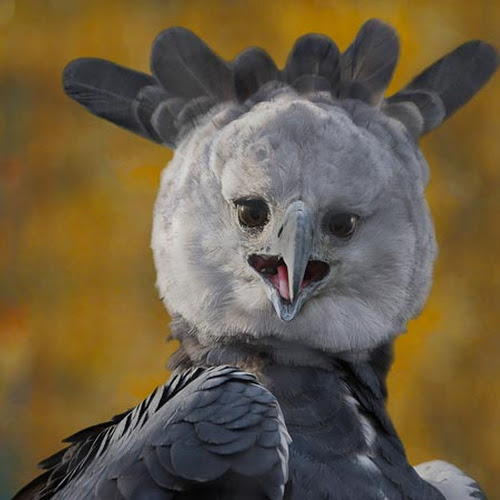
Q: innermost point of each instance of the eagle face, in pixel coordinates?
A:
(300, 222)
(293, 210)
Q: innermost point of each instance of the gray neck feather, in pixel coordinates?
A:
(334, 409)
(299, 376)
(260, 357)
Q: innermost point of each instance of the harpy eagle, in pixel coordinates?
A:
(292, 243)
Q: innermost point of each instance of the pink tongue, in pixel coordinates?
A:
(283, 282)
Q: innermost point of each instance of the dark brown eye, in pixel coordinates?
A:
(252, 213)
(342, 225)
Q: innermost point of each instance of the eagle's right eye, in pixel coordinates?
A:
(252, 213)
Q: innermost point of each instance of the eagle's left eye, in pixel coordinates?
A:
(342, 225)
(252, 213)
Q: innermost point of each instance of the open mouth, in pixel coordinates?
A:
(274, 270)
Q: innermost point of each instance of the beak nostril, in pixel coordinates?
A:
(280, 231)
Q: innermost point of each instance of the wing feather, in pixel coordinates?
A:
(200, 427)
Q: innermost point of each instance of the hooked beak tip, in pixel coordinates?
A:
(286, 311)
(274, 272)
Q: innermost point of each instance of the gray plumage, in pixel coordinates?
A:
(292, 240)
(206, 426)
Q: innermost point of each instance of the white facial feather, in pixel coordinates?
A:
(345, 158)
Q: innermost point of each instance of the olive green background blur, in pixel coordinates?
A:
(82, 332)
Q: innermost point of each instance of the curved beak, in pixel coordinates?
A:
(290, 275)
(296, 242)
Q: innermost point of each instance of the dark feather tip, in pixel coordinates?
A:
(457, 76)
(450, 82)
(187, 67)
(109, 91)
(252, 69)
(313, 55)
(370, 60)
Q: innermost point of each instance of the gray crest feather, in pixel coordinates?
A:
(418, 110)
(187, 67)
(313, 64)
(449, 83)
(115, 93)
(190, 80)
(164, 119)
(148, 100)
(369, 62)
(252, 69)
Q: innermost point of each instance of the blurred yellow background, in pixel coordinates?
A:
(82, 332)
